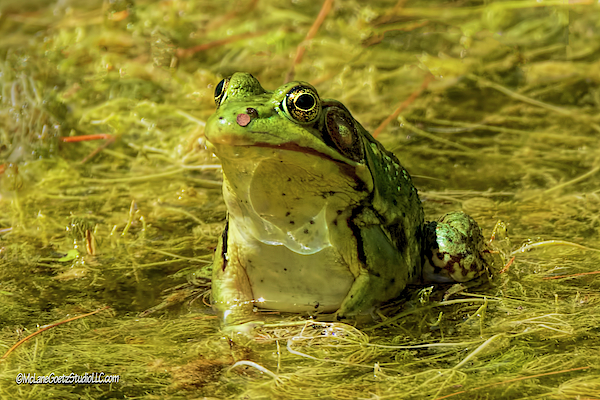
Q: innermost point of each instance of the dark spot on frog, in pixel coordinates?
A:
(224, 238)
(285, 269)
(283, 194)
(289, 179)
(399, 236)
(339, 212)
(392, 281)
(287, 214)
(360, 186)
(306, 231)
(292, 222)
(475, 267)
(395, 202)
(312, 222)
(317, 305)
(356, 231)
(335, 222)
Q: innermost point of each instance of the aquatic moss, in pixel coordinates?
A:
(507, 130)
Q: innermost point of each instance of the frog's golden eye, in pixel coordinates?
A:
(302, 104)
(221, 91)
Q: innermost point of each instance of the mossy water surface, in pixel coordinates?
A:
(505, 127)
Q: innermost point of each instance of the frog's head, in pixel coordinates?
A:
(292, 118)
(292, 162)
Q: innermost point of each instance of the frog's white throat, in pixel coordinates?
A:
(287, 198)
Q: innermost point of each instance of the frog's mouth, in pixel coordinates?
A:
(230, 147)
(347, 167)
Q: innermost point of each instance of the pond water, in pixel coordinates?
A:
(493, 107)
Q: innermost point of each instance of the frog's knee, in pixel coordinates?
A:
(453, 249)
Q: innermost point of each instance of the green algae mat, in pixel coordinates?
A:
(111, 206)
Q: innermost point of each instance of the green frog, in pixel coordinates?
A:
(321, 217)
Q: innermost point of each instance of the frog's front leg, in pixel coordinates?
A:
(454, 249)
(232, 296)
(380, 275)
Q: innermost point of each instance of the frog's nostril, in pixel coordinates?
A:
(252, 112)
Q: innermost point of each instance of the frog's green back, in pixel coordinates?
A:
(396, 200)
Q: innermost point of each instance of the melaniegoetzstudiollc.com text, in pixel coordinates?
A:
(62, 379)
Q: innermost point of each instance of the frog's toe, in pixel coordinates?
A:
(454, 249)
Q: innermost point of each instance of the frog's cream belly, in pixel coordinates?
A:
(284, 280)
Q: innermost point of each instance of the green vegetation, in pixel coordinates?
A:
(508, 129)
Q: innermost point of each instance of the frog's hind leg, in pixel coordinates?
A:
(454, 249)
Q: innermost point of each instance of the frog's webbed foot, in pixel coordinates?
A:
(454, 249)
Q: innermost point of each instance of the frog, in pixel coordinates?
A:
(321, 218)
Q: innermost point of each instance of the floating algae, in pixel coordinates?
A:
(498, 116)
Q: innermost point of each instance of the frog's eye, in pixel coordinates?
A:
(302, 104)
(340, 132)
(221, 91)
